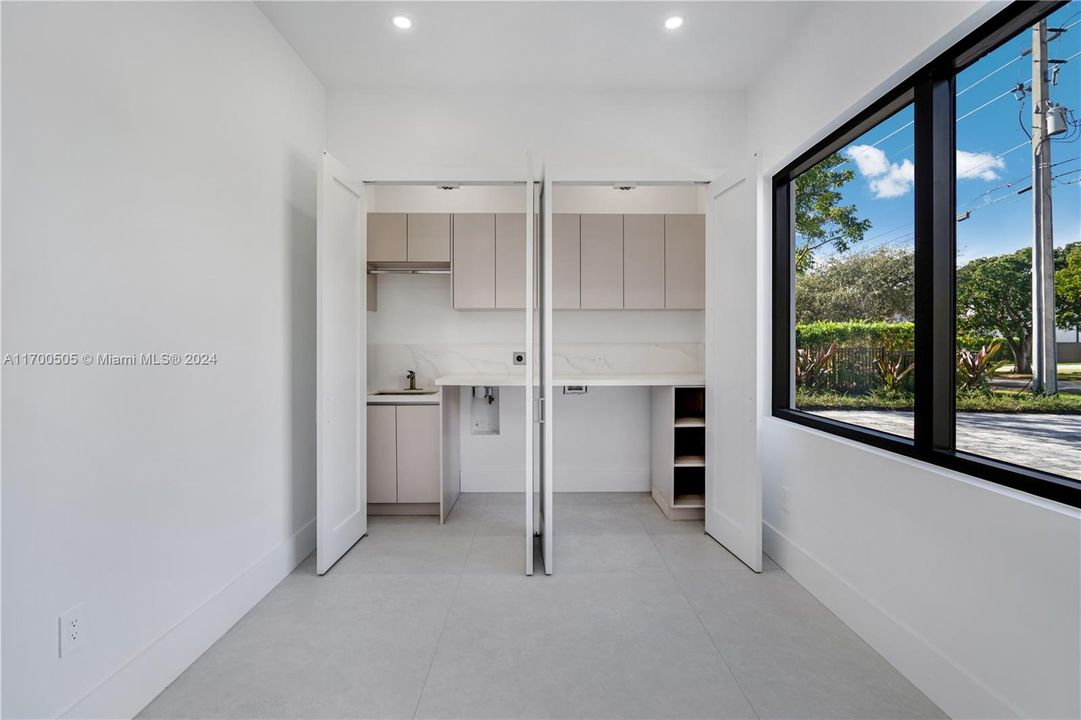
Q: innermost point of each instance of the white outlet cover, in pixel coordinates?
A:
(72, 628)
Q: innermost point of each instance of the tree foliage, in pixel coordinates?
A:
(1068, 286)
(875, 286)
(821, 219)
(994, 297)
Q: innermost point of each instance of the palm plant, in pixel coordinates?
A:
(976, 367)
(892, 372)
(812, 364)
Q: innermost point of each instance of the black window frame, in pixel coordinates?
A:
(931, 91)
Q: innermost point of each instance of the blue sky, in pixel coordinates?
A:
(994, 155)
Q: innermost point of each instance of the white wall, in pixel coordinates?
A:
(158, 193)
(384, 133)
(971, 590)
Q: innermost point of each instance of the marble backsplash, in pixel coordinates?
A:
(388, 363)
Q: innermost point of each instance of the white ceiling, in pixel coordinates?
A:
(536, 44)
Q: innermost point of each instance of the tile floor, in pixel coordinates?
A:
(644, 618)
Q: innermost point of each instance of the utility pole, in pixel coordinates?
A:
(1044, 351)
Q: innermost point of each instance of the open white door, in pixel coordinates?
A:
(544, 379)
(733, 479)
(530, 363)
(341, 364)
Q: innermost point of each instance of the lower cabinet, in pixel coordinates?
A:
(403, 454)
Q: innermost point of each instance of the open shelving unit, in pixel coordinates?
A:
(679, 451)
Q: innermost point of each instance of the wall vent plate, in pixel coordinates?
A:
(518, 357)
(575, 389)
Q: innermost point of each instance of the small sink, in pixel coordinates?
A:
(418, 391)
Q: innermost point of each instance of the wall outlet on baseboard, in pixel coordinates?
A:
(72, 628)
(786, 499)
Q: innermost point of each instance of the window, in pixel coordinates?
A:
(1013, 404)
(924, 301)
(853, 257)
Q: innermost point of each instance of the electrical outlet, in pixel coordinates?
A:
(518, 357)
(786, 495)
(72, 630)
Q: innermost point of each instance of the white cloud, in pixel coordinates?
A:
(982, 166)
(896, 181)
(886, 179)
(870, 160)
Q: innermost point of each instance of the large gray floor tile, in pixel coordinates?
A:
(606, 553)
(404, 545)
(327, 647)
(608, 645)
(793, 657)
(618, 518)
(700, 552)
(497, 555)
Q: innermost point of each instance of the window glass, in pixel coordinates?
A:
(853, 258)
(1010, 405)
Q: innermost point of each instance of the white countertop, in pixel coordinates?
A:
(432, 399)
(505, 380)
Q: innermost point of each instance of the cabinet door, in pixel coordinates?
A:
(643, 262)
(473, 264)
(386, 237)
(418, 453)
(510, 260)
(382, 455)
(428, 237)
(602, 262)
(566, 262)
(685, 262)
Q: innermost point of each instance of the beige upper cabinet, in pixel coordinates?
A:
(602, 262)
(643, 262)
(566, 262)
(387, 237)
(510, 260)
(473, 261)
(418, 453)
(685, 262)
(428, 237)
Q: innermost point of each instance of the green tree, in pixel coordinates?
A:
(994, 298)
(872, 286)
(821, 219)
(1068, 286)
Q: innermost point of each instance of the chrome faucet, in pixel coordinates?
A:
(412, 377)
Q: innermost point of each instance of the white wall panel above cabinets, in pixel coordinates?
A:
(643, 262)
(601, 262)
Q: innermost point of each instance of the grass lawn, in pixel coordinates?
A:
(1009, 401)
(1066, 371)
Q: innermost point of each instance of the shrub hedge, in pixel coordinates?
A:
(892, 336)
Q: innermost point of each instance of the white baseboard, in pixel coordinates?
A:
(947, 684)
(127, 691)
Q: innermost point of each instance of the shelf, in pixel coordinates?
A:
(689, 500)
(691, 422)
(690, 461)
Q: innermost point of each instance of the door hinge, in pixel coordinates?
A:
(540, 410)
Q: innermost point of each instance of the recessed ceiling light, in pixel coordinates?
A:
(402, 22)
(674, 22)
